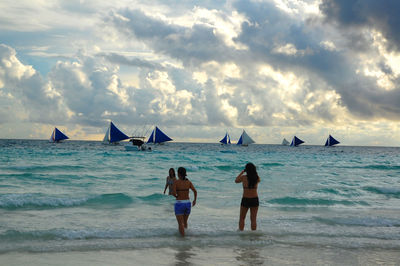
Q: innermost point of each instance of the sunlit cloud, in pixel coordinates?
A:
(275, 68)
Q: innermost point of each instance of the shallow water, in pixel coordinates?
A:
(82, 196)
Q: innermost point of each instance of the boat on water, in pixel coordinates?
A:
(245, 139)
(226, 139)
(138, 144)
(296, 142)
(57, 136)
(285, 142)
(114, 135)
(330, 141)
(137, 141)
(158, 137)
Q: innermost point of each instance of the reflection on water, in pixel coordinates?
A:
(250, 255)
(183, 255)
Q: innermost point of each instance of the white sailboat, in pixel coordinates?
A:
(245, 139)
(285, 142)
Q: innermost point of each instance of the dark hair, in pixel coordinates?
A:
(252, 176)
(173, 172)
(182, 172)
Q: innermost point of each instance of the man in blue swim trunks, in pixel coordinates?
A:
(180, 190)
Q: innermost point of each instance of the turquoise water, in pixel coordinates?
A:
(86, 196)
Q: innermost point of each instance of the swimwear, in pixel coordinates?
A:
(182, 207)
(250, 202)
(170, 182)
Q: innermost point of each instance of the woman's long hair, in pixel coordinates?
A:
(182, 173)
(252, 176)
(171, 170)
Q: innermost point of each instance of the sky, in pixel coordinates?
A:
(198, 69)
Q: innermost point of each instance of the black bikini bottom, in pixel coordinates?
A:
(250, 202)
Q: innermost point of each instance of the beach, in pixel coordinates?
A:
(274, 255)
(85, 203)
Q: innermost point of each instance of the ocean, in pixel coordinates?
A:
(85, 203)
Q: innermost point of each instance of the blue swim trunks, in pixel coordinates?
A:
(182, 207)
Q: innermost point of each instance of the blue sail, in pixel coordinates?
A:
(330, 141)
(296, 142)
(157, 136)
(115, 134)
(240, 141)
(226, 139)
(57, 136)
(151, 138)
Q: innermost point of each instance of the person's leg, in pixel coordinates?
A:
(253, 217)
(185, 219)
(181, 226)
(242, 217)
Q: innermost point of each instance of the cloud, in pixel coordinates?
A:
(191, 45)
(371, 89)
(136, 62)
(374, 14)
(21, 86)
(299, 46)
(201, 50)
(286, 65)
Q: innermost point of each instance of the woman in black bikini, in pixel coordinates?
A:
(250, 182)
(171, 178)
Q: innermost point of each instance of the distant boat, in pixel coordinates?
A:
(245, 139)
(296, 142)
(57, 136)
(330, 141)
(114, 135)
(285, 142)
(137, 141)
(226, 139)
(157, 136)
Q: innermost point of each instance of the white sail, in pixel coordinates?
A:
(285, 142)
(107, 136)
(52, 136)
(245, 139)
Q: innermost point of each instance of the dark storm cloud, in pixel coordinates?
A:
(366, 100)
(361, 94)
(382, 15)
(337, 69)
